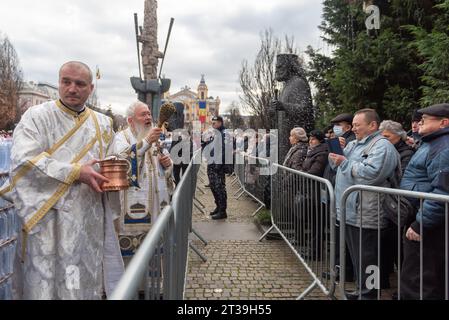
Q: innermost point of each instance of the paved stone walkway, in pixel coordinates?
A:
(239, 267)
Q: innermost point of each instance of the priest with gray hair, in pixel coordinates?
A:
(153, 183)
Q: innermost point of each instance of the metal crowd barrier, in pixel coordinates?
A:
(303, 213)
(239, 171)
(377, 273)
(252, 182)
(160, 263)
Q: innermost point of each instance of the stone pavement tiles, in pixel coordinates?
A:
(239, 267)
(238, 270)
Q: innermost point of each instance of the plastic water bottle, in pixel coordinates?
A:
(3, 226)
(3, 155)
(8, 147)
(11, 223)
(16, 222)
(10, 263)
(3, 258)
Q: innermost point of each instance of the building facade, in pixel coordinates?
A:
(198, 106)
(36, 93)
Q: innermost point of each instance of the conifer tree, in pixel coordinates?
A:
(393, 70)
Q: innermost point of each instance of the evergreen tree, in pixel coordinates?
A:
(389, 69)
(432, 47)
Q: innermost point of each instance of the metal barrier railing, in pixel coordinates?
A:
(375, 253)
(303, 213)
(160, 263)
(239, 171)
(252, 182)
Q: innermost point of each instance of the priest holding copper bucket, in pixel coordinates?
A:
(68, 248)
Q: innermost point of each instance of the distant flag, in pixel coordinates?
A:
(98, 73)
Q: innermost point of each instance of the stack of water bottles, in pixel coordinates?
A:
(9, 225)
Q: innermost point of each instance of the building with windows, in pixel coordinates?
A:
(198, 106)
(36, 93)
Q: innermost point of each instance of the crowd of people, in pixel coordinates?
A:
(373, 152)
(383, 154)
(71, 227)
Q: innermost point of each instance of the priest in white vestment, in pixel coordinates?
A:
(68, 248)
(153, 186)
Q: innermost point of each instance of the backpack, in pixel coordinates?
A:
(392, 203)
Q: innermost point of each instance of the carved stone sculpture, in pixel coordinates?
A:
(150, 88)
(150, 47)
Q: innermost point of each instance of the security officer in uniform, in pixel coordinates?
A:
(216, 169)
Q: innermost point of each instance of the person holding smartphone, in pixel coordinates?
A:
(369, 160)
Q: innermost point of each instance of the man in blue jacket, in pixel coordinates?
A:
(369, 160)
(428, 171)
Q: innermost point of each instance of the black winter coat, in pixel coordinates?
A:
(316, 160)
(406, 152)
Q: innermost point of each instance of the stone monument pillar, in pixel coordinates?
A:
(150, 47)
(150, 88)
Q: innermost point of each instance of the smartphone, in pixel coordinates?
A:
(334, 146)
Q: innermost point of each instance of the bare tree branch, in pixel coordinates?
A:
(11, 78)
(258, 82)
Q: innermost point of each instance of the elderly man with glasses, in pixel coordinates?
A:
(428, 171)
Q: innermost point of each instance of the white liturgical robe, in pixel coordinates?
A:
(141, 206)
(70, 248)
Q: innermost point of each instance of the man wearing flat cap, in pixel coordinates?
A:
(343, 127)
(428, 171)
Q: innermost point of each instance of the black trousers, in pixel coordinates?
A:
(217, 180)
(179, 169)
(349, 268)
(390, 249)
(368, 258)
(434, 267)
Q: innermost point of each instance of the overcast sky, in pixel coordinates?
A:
(209, 37)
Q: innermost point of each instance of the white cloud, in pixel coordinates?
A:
(210, 37)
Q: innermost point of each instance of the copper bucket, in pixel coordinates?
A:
(117, 172)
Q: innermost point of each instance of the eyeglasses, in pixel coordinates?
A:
(425, 118)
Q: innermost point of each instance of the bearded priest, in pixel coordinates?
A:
(152, 178)
(68, 248)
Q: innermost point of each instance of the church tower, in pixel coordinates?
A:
(202, 90)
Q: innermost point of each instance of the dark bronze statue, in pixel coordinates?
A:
(293, 108)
